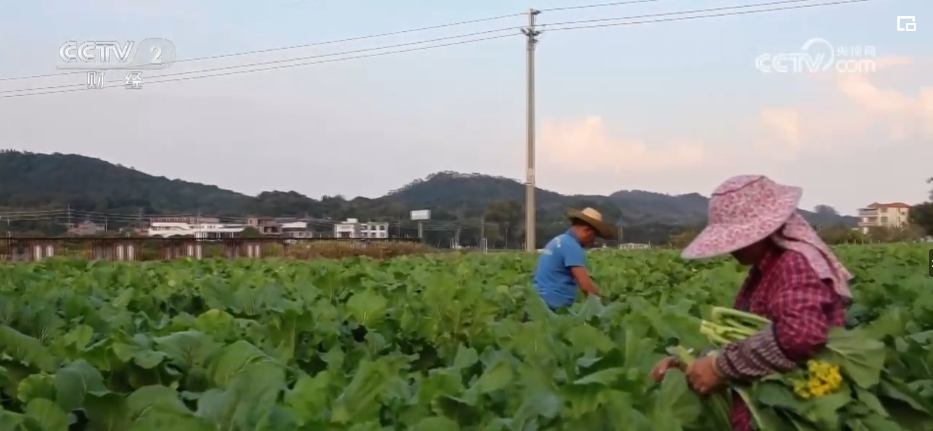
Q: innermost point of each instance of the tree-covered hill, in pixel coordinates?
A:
(30, 181)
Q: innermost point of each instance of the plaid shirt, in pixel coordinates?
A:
(785, 289)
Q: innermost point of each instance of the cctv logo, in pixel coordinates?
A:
(906, 23)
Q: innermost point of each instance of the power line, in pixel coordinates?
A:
(717, 15)
(307, 45)
(264, 63)
(590, 6)
(283, 66)
(29, 91)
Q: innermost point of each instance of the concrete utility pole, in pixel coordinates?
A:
(532, 36)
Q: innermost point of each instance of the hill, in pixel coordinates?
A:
(37, 181)
(30, 181)
(473, 192)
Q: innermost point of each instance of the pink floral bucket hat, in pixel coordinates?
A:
(742, 211)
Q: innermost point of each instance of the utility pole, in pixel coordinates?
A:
(619, 239)
(69, 216)
(532, 36)
(482, 232)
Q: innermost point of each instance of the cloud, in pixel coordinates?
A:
(904, 116)
(866, 107)
(585, 145)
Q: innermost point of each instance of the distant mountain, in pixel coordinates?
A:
(30, 181)
(472, 192)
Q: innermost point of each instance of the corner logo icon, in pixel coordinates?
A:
(906, 23)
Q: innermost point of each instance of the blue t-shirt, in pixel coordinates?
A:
(553, 279)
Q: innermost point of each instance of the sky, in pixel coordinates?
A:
(671, 107)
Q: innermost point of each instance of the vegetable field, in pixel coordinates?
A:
(428, 343)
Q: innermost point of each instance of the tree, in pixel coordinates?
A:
(50, 183)
(825, 210)
(840, 234)
(930, 181)
(684, 239)
(507, 216)
(921, 215)
(250, 232)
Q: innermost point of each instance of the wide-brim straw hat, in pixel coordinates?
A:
(593, 218)
(742, 211)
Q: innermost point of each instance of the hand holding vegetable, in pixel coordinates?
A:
(659, 370)
(703, 376)
(845, 386)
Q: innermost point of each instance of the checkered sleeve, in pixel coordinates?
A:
(799, 324)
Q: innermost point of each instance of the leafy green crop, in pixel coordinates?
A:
(431, 343)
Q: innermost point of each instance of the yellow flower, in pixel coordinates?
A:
(822, 378)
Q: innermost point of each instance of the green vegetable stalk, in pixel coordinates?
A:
(719, 402)
(728, 326)
(837, 390)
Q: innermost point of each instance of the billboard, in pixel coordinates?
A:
(421, 215)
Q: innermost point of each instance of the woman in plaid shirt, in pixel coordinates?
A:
(795, 281)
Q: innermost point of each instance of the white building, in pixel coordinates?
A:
(197, 230)
(296, 229)
(352, 228)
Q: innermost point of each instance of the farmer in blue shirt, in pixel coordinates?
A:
(562, 265)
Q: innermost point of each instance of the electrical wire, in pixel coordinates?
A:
(282, 66)
(567, 25)
(716, 15)
(590, 6)
(280, 61)
(307, 45)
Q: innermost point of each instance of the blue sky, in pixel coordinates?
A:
(671, 107)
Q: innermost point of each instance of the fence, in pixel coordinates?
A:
(148, 248)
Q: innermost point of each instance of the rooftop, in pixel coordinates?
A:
(875, 205)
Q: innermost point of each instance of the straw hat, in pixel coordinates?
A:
(742, 211)
(595, 219)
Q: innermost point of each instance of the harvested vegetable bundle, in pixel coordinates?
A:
(844, 387)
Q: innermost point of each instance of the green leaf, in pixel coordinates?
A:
(823, 412)
(674, 404)
(603, 377)
(74, 381)
(36, 386)
(153, 400)
(106, 411)
(187, 349)
(436, 424)
(367, 307)
(47, 414)
(360, 399)
(310, 398)
(26, 349)
(860, 358)
(249, 397)
(494, 378)
(233, 359)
